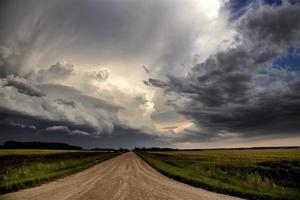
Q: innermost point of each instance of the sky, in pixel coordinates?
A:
(131, 73)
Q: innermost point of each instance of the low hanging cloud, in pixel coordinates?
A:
(236, 91)
(23, 103)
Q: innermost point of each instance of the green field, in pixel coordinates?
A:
(249, 173)
(26, 168)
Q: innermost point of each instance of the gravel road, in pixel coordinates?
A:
(123, 177)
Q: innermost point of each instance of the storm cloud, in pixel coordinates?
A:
(239, 90)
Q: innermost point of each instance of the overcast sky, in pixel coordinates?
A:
(126, 73)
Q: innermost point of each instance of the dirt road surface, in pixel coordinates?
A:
(123, 177)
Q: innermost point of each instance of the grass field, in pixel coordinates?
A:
(26, 168)
(249, 173)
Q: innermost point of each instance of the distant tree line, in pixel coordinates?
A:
(154, 149)
(51, 145)
(38, 145)
(110, 149)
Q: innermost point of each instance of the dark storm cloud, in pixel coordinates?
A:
(271, 31)
(278, 25)
(223, 96)
(266, 114)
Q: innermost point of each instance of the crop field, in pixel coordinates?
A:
(250, 173)
(25, 168)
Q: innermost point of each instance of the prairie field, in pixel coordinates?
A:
(25, 168)
(269, 173)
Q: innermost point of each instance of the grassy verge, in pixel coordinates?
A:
(26, 168)
(253, 174)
